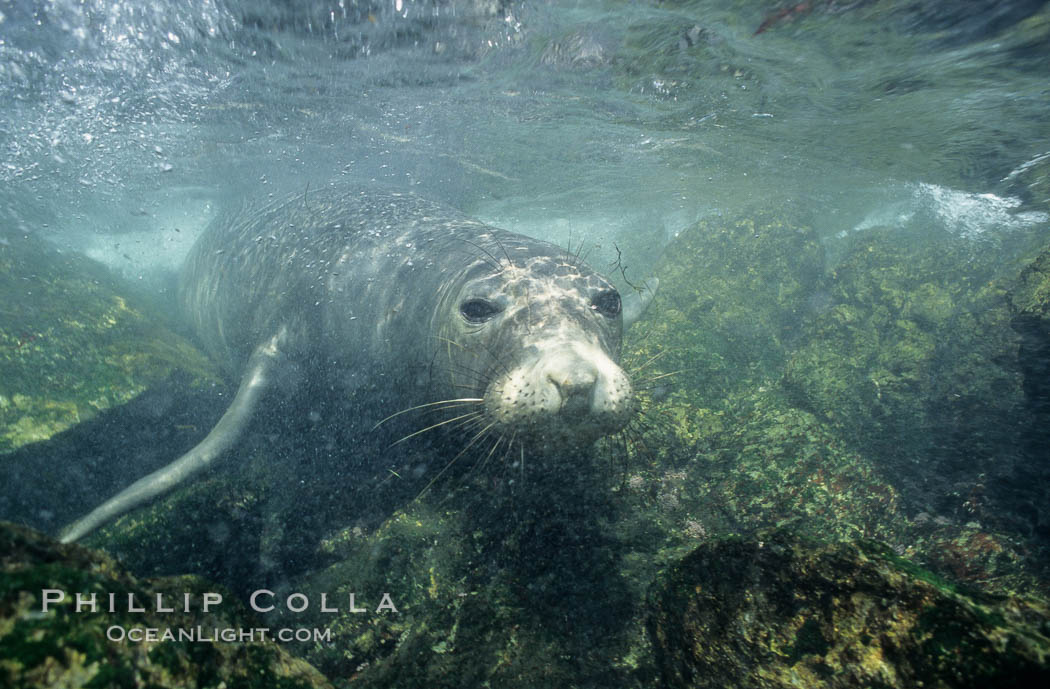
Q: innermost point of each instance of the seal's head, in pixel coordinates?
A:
(536, 334)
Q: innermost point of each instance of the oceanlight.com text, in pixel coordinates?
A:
(121, 634)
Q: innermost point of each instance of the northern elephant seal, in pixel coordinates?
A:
(394, 294)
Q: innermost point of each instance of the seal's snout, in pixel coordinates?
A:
(572, 390)
(575, 386)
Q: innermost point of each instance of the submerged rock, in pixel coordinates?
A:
(495, 586)
(73, 343)
(1030, 297)
(875, 397)
(61, 647)
(94, 384)
(780, 611)
(733, 295)
(915, 366)
(1029, 301)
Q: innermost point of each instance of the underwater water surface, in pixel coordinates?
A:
(847, 206)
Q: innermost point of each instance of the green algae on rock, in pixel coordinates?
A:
(812, 422)
(779, 611)
(72, 343)
(732, 295)
(900, 322)
(1029, 301)
(495, 586)
(1029, 298)
(914, 363)
(63, 647)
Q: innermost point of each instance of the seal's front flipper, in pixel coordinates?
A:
(635, 303)
(257, 376)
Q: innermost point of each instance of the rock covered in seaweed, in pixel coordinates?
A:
(74, 343)
(1029, 301)
(777, 611)
(876, 397)
(65, 648)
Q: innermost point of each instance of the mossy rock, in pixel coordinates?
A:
(1029, 301)
(914, 360)
(886, 386)
(495, 587)
(732, 295)
(1029, 298)
(417, 557)
(480, 566)
(61, 647)
(768, 464)
(273, 499)
(74, 343)
(778, 611)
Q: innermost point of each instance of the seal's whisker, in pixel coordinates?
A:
(489, 259)
(510, 261)
(481, 375)
(495, 359)
(463, 368)
(473, 401)
(462, 401)
(634, 440)
(491, 452)
(619, 442)
(510, 446)
(528, 306)
(450, 341)
(497, 363)
(477, 436)
(665, 375)
(436, 425)
(472, 423)
(464, 386)
(464, 383)
(496, 263)
(581, 259)
(455, 369)
(455, 244)
(651, 359)
(648, 421)
(573, 257)
(650, 383)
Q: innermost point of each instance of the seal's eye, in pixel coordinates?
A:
(478, 310)
(607, 303)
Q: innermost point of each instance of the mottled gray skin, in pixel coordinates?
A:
(414, 300)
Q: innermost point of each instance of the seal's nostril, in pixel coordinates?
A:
(569, 382)
(575, 388)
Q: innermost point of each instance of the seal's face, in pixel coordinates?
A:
(537, 338)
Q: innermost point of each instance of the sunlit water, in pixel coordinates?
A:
(127, 125)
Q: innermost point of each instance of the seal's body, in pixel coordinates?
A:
(414, 302)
